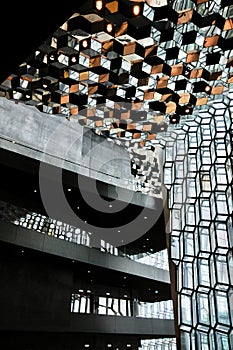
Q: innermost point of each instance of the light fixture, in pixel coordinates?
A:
(156, 291)
(88, 271)
(73, 59)
(22, 251)
(107, 293)
(128, 345)
(119, 231)
(69, 189)
(136, 10)
(145, 217)
(187, 110)
(207, 88)
(109, 345)
(35, 190)
(13, 141)
(125, 296)
(80, 290)
(85, 44)
(110, 205)
(87, 345)
(147, 239)
(88, 291)
(125, 277)
(99, 5)
(78, 208)
(109, 27)
(45, 86)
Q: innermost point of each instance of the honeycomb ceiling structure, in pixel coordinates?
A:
(131, 70)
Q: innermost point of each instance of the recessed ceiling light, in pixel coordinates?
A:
(110, 205)
(73, 59)
(147, 239)
(109, 345)
(107, 293)
(136, 10)
(207, 88)
(156, 291)
(35, 190)
(86, 345)
(145, 217)
(80, 290)
(69, 189)
(109, 27)
(85, 44)
(99, 5)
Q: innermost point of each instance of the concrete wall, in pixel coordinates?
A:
(57, 141)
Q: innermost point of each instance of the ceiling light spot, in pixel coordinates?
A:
(73, 59)
(85, 44)
(69, 189)
(136, 10)
(109, 27)
(99, 5)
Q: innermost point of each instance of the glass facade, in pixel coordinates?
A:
(199, 184)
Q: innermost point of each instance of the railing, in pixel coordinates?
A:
(55, 228)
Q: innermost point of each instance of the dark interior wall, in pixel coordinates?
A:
(34, 293)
